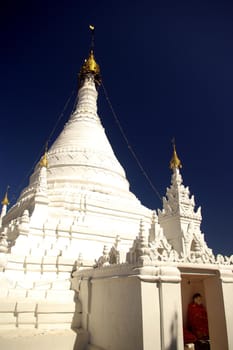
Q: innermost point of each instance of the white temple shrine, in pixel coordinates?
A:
(85, 266)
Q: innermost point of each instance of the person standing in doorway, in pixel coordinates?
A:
(198, 321)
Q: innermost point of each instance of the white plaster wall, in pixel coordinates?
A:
(216, 315)
(228, 307)
(132, 312)
(171, 316)
(172, 231)
(115, 318)
(29, 339)
(219, 291)
(150, 316)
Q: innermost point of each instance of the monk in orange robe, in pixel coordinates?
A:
(197, 318)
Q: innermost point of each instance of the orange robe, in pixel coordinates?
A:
(189, 337)
(197, 321)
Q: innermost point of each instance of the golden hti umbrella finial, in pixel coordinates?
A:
(5, 200)
(90, 65)
(44, 158)
(175, 162)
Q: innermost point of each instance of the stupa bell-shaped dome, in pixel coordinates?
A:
(82, 153)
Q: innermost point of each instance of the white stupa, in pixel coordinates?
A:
(77, 201)
(79, 251)
(78, 196)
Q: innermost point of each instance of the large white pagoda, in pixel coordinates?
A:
(78, 248)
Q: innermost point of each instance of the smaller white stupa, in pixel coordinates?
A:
(179, 219)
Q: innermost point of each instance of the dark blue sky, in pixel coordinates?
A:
(168, 69)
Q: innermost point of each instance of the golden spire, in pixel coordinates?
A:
(90, 65)
(175, 162)
(44, 158)
(5, 200)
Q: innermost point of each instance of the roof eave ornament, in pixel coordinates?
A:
(90, 66)
(175, 162)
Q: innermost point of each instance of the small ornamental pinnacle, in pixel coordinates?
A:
(44, 161)
(175, 162)
(44, 158)
(5, 200)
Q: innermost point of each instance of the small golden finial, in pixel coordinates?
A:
(44, 158)
(175, 162)
(5, 200)
(90, 65)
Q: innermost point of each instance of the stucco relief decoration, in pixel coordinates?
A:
(78, 264)
(197, 250)
(3, 250)
(104, 260)
(3, 243)
(178, 200)
(114, 254)
(145, 252)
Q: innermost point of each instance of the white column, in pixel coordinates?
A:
(219, 301)
(170, 309)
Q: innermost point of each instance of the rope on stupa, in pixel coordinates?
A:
(128, 144)
(60, 116)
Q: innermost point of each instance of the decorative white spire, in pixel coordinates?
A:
(82, 154)
(178, 218)
(86, 108)
(178, 200)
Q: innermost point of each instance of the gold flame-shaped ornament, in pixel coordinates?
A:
(5, 200)
(175, 162)
(90, 66)
(44, 161)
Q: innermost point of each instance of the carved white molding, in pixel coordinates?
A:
(178, 200)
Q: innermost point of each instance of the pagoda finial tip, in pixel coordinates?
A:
(175, 162)
(90, 66)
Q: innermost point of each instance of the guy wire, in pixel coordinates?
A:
(48, 140)
(128, 144)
